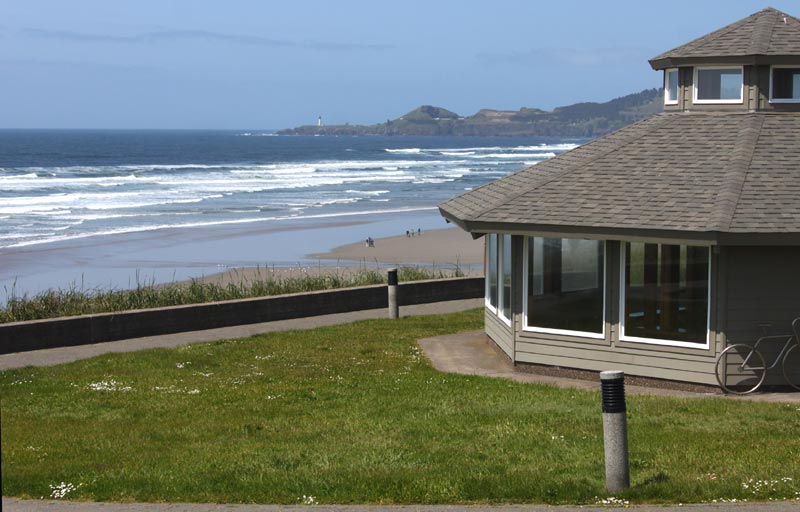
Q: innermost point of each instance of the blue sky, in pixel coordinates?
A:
(264, 64)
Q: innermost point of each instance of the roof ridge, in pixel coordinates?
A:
(762, 34)
(711, 36)
(583, 164)
(729, 196)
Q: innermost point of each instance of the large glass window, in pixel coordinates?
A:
(786, 84)
(491, 270)
(671, 86)
(665, 294)
(565, 285)
(720, 85)
(505, 270)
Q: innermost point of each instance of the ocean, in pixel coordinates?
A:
(67, 187)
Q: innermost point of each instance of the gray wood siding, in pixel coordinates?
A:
(763, 81)
(499, 331)
(763, 286)
(650, 360)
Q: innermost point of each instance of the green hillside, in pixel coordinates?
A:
(579, 120)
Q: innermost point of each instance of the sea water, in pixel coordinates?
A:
(67, 187)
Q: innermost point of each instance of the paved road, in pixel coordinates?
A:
(14, 505)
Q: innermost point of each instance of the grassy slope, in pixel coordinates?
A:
(54, 303)
(355, 414)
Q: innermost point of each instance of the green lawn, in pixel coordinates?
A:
(355, 414)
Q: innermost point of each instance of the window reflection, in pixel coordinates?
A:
(565, 284)
(666, 292)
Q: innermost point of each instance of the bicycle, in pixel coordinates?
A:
(747, 372)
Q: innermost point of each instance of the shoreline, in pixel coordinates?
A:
(175, 255)
(439, 250)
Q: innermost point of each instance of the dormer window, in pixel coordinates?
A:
(718, 84)
(671, 86)
(785, 84)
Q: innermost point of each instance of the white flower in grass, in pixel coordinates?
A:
(308, 500)
(59, 491)
(108, 385)
(193, 392)
(183, 365)
(611, 500)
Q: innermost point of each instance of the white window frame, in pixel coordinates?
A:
(564, 332)
(668, 101)
(487, 298)
(500, 271)
(658, 341)
(781, 100)
(718, 102)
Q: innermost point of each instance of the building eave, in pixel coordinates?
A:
(659, 64)
(479, 228)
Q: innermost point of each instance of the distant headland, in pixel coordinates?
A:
(578, 120)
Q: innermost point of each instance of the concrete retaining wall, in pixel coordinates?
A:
(86, 329)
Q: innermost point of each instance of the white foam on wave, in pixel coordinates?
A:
(141, 229)
(548, 147)
(457, 153)
(538, 147)
(56, 204)
(516, 156)
(274, 170)
(410, 151)
(368, 192)
(13, 177)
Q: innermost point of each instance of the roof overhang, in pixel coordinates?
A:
(743, 60)
(667, 236)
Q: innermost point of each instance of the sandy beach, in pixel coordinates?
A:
(444, 247)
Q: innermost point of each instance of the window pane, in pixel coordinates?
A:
(491, 269)
(506, 269)
(786, 83)
(666, 292)
(719, 84)
(565, 284)
(671, 83)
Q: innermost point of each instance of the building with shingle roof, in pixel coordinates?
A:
(654, 248)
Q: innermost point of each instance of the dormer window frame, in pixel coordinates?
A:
(771, 73)
(667, 90)
(697, 101)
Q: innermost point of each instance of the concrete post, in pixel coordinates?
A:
(394, 308)
(615, 430)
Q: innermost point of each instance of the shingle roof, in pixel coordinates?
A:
(710, 172)
(766, 34)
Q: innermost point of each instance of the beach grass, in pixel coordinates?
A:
(356, 414)
(75, 300)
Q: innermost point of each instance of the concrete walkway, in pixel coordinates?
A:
(53, 356)
(473, 353)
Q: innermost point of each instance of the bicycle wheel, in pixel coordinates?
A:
(734, 376)
(791, 366)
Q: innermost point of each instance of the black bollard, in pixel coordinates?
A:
(615, 430)
(394, 308)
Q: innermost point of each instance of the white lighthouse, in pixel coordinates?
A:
(319, 121)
